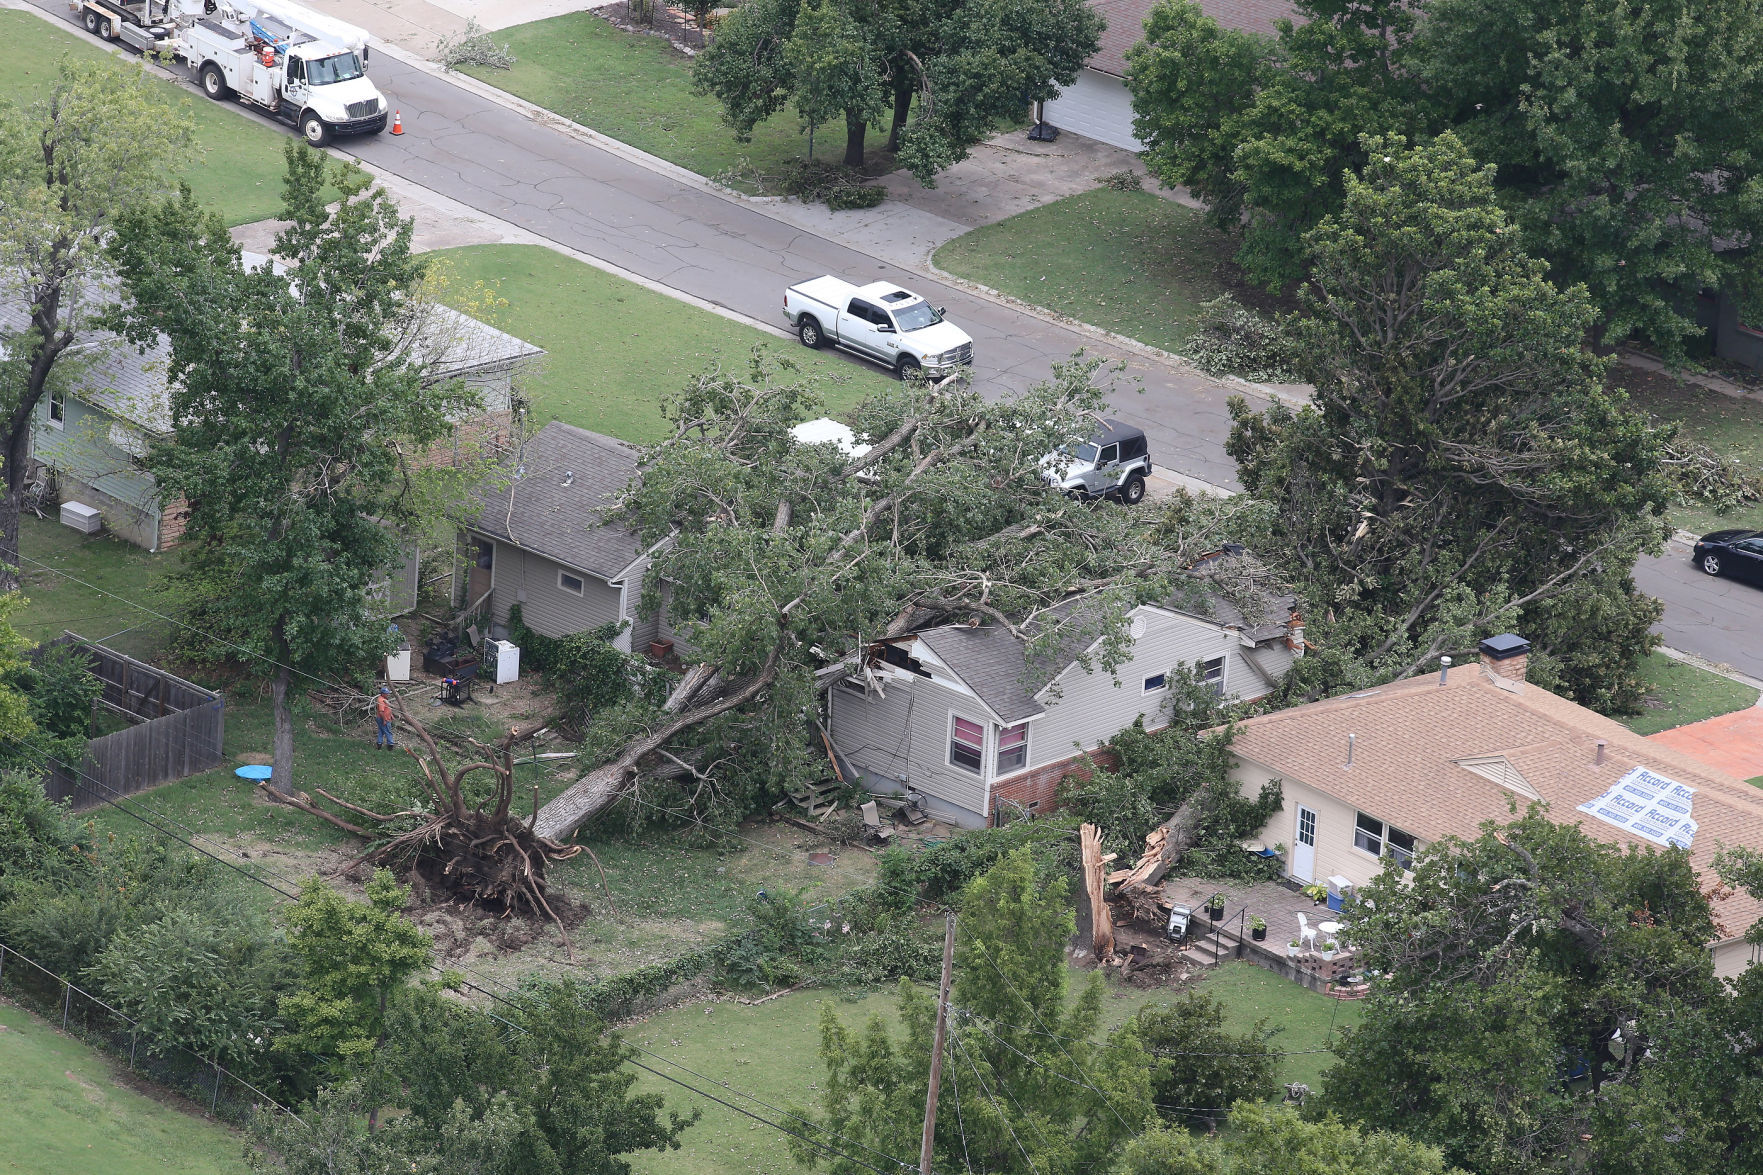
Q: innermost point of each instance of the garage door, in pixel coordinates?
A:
(1095, 106)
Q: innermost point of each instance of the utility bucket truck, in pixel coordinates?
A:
(307, 69)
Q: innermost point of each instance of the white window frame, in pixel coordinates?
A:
(582, 590)
(949, 746)
(1385, 847)
(1223, 663)
(1162, 680)
(998, 750)
(57, 408)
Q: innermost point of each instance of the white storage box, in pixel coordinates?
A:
(398, 665)
(502, 658)
(82, 517)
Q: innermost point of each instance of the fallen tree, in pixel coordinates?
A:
(784, 562)
(481, 852)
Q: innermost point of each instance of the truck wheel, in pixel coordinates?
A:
(908, 367)
(808, 329)
(1133, 492)
(214, 83)
(107, 29)
(91, 22)
(313, 130)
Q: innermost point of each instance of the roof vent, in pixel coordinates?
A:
(568, 478)
(1444, 669)
(1352, 740)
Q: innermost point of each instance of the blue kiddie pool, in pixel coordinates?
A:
(253, 771)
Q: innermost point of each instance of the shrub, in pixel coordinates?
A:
(1123, 181)
(1196, 1062)
(193, 980)
(37, 835)
(840, 187)
(1231, 339)
(61, 689)
(941, 869)
(781, 945)
(587, 673)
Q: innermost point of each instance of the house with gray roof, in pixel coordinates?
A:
(541, 540)
(968, 718)
(95, 424)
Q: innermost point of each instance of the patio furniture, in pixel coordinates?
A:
(1329, 929)
(1306, 933)
(873, 826)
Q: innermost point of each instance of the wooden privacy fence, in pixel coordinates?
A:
(177, 730)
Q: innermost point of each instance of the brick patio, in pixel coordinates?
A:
(1279, 907)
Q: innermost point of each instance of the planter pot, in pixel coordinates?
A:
(1327, 955)
(1291, 952)
(1258, 933)
(1216, 913)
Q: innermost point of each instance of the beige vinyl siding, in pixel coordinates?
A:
(530, 580)
(1733, 957)
(1090, 708)
(1335, 821)
(904, 737)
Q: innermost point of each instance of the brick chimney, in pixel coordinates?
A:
(1505, 656)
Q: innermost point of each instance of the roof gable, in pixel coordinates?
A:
(553, 497)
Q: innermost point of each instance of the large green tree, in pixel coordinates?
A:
(102, 139)
(1026, 1089)
(974, 67)
(1462, 467)
(1627, 137)
(298, 417)
(1547, 1004)
(783, 561)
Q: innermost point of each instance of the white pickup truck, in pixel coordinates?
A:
(879, 321)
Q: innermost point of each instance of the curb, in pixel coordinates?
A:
(928, 268)
(1124, 342)
(1718, 668)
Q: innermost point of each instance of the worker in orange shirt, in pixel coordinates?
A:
(382, 716)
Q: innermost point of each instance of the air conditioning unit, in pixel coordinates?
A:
(82, 517)
(502, 659)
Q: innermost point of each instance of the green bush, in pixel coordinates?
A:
(37, 836)
(62, 689)
(782, 944)
(587, 673)
(941, 869)
(839, 187)
(197, 981)
(1231, 339)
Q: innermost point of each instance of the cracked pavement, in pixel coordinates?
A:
(538, 176)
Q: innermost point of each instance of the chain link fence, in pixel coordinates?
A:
(79, 1013)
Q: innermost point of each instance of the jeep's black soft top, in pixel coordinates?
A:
(1133, 444)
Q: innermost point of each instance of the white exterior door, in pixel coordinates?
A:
(1095, 106)
(1304, 846)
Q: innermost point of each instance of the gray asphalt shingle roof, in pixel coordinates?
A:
(1126, 24)
(132, 386)
(554, 501)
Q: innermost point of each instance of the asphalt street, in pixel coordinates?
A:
(731, 253)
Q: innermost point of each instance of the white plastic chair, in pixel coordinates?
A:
(1306, 933)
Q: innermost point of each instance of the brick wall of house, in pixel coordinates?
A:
(1038, 790)
(486, 435)
(173, 516)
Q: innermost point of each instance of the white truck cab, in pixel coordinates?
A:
(879, 321)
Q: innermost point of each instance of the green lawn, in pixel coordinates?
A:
(1682, 694)
(65, 1112)
(638, 89)
(1128, 262)
(1729, 424)
(237, 167)
(614, 349)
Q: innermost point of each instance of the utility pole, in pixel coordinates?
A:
(936, 1048)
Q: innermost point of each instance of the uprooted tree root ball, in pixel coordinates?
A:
(481, 853)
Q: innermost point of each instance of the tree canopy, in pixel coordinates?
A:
(1026, 1090)
(1462, 467)
(100, 141)
(1548, 1004)
(783, 561)
(298, 420)
(1264, 1140)
(973, 67)
(1626, 137)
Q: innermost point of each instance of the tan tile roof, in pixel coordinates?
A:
(1410, 735)
(1126, 24)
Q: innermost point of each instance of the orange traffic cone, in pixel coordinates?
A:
(398, 122)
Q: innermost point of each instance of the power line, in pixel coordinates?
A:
(971, 1014)
(986, 1089)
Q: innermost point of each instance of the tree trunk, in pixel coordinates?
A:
(17, 459)
(854, 131)
(902, 107)
(600, 788)
(282, 774)
(1164, 847)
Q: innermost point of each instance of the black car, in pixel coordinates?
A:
(1734, 553)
